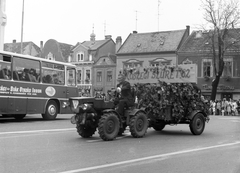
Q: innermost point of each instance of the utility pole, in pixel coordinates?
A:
(22, 28)
(3, 22)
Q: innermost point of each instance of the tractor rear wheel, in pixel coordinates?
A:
(108, 126)
(138, 125)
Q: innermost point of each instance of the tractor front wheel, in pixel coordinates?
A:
(108, 126)
(85, 131)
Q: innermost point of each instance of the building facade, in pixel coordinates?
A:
(150, 49)
(85, 55)
(197, 50)
(104, 71)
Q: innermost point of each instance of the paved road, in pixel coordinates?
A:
(36, 146)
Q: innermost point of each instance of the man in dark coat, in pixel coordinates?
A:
(126, 98)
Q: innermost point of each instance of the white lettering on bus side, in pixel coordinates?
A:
(36, 90)
(3, 88)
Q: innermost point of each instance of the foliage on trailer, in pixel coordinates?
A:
(182, 98)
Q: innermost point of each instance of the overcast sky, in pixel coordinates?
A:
(72, 21)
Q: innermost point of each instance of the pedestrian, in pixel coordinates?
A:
(218, 107)
(229, 108)
(214, 107)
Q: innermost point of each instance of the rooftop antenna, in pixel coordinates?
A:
(136, 20)
(93, 28)
(158, 13)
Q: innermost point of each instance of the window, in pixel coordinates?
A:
(79, 76)
(5, 67)
(52, 73)
(99, 76)
(187, 61)
(227, 71)
(26, 70)
(159, 61)
(132, 63)
(109, 76)
(71, 81)
(50, 56)
(207, 68)
(80, 56)
(87, 79)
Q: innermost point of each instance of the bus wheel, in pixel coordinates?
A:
(51, 111)
(19, 116)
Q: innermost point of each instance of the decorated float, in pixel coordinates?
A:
(170, 96)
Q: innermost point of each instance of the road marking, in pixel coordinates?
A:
(229, 118)
(150, 158)
(235, 121)
(36, 131)
(120, 137)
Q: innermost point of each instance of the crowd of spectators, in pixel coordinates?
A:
(225, 107)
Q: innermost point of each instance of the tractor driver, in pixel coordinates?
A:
(126, 98)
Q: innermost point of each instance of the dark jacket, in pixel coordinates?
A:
(125, 90)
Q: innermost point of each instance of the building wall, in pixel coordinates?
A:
(108, 48)
(226, 88)
(104, 85)
(145, 58)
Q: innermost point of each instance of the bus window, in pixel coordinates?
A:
(53, 73)
(26, 70)
(71, 79)
(5, 67)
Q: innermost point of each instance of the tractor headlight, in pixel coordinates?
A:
(84, 106)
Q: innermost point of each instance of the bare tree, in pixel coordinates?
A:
(222, 18)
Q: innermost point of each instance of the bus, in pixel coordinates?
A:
(33, 85)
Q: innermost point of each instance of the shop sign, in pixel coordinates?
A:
(220, 87)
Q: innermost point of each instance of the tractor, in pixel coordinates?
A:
(100, 113)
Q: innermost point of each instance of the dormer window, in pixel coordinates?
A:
(80, 56)
(50, 56)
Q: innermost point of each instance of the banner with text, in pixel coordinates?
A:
(184, 73)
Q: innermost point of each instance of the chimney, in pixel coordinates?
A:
(41, 45)
(135, 32)
(41, 49)
(14, 41)
(107, 37)
(188, 29)
(118, 43)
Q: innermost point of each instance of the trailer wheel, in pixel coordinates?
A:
(51, 111)
(138, 125)
(197, 124)
(85, 131)
(108, 126)
(158, 126)
(19, 116)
